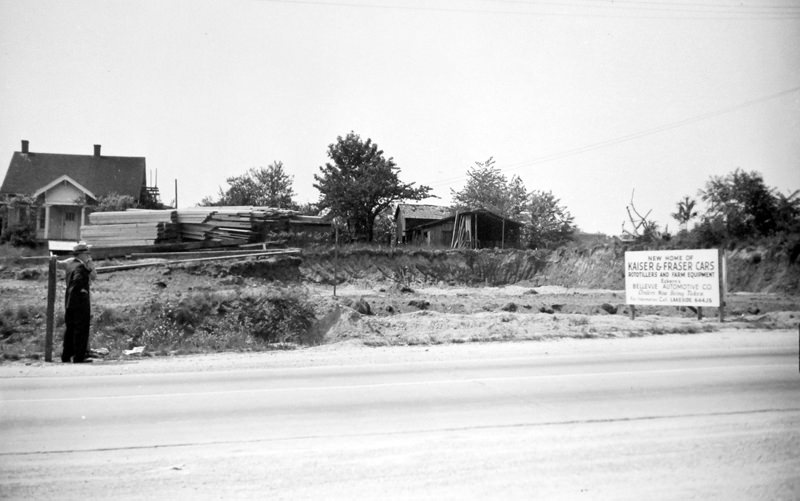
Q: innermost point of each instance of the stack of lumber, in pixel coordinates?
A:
(131, 228)
(229, 225)
(133, 216)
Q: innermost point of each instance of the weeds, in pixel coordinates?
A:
(203, 322)
(578, 321)
(211, 321)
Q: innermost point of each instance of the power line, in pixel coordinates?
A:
(630, 137)
(615, 10)
(655, 5)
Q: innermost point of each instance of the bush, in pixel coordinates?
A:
(214, 321)
(19, 236)
(115, 202)
(279, 317)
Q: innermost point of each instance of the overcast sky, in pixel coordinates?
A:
(589, 99)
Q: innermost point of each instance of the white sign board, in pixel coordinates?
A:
(673, 277)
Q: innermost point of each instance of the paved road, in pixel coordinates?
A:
(670, 418)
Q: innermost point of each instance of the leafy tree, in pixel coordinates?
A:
(385, 227)
(787, 211)
(360, 183)
(114, 202)
(742, 202)
(308, 209)
(22, 233)
(267, 186)
(685, 212)
(548, 223)
(488, 188)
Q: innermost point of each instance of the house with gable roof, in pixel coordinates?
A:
(65, 187)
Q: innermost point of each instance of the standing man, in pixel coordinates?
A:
(80, 273)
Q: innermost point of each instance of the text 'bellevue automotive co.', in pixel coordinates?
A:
(673, 277)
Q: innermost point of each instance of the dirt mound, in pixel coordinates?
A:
(279, 268)
(750, 269)
(409, 267)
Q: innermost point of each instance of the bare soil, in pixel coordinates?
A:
(382, 310)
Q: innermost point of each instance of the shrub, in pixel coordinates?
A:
(215, 321)
(19, 236)
(279, 317)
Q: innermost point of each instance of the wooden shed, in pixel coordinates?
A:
(482, 229)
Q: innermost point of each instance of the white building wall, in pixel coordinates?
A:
(63, 194)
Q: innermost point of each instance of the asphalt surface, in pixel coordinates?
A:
(673, 417)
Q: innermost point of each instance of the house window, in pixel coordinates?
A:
(42, 214)
(69, 217)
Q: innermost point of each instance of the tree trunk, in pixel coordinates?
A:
(370, 227)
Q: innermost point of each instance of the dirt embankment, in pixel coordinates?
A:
(750, 269)
(401, 297)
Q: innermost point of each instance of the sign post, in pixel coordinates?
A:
(676, 278)
(51, 306)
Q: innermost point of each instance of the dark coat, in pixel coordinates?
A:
(78, 279)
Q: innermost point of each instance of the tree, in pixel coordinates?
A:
(115, 202)
(488, 188)
(22, 233)
(787, 212)
(742, 202)
(685, 212)
(360, 183)
(548, 224)
(267, 186)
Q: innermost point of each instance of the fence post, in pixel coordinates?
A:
(335, 256)
(51, 306)
(723, 283)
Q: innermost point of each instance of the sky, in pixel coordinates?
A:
(601, 102)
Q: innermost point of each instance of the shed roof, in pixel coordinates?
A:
(482, 212)
(423, 211)
(29, 172)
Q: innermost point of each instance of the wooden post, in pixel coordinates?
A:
(633, 312)
(475, 237)
(723, 283)
(699, 313)
(335, 256)
(51, 306)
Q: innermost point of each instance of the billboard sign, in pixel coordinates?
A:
(673, 277)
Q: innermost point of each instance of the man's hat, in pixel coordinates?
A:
(80, 247)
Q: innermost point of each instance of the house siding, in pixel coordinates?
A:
(63, 202)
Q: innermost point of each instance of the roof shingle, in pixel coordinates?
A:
(103, 175)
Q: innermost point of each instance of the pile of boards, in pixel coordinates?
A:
(131, 228)
(220, 225)
(231, 225)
